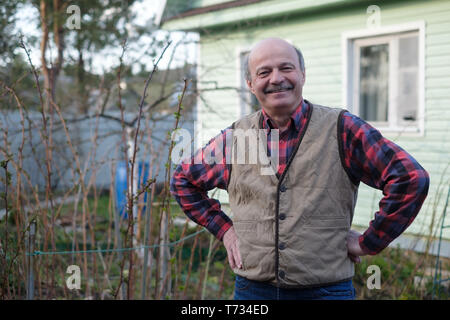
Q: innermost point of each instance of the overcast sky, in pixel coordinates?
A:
(27, 24)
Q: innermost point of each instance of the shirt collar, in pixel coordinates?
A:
(296, 116)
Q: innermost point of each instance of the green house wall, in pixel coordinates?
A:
(319, 35)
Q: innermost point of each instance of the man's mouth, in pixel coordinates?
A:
(280, 88)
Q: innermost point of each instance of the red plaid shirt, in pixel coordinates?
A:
(368, 157)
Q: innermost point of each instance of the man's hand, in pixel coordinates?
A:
(353, 247)
(230, 242)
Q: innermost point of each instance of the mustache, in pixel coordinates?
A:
(280, 87)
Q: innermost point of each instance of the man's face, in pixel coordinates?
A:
(276, 78)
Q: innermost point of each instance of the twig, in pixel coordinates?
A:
(133, 161)
(122, 264)
(191, 260)
(47, 144)
(165, 213)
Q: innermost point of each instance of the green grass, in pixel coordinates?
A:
(398, 268)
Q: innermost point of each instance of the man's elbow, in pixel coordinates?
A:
(174, 180)
(424, 184)
(421, 183)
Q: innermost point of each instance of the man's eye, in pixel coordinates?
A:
(263, 73)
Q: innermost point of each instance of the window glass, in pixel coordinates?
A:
(408, 80)
(374, 82)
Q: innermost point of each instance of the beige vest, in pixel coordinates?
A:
(292, 229)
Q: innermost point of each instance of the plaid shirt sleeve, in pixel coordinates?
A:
(194, 177)
(382, 164)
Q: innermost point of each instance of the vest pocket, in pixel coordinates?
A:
(327, 222)
(324, 255)
(243, 228)
(255, 241)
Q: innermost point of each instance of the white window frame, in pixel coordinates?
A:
(198, 120)
(383, 34)
(243, 107)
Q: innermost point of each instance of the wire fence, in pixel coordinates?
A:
(171, 244)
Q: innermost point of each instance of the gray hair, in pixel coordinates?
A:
(248, 76)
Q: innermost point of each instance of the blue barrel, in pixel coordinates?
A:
(121, 185)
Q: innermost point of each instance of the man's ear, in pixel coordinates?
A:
(303, 77)
(250, 86)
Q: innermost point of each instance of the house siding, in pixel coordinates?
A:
(318, 35)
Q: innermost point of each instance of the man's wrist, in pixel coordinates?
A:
(223, 230)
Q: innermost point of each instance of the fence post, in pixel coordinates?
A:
(148, 210)
(30, 251)
(164, 251)
(118, 238)
(208, 261)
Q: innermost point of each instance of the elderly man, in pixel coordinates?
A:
(290, 236)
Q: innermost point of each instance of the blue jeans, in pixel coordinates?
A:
(254, 290)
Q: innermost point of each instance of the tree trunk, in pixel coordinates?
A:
(51, 74)
(44, 42)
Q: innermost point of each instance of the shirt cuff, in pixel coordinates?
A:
(219, 225)
(223, 230)
(366, 245)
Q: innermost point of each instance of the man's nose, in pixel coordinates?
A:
(276, 76)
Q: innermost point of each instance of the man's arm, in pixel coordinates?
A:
(190, 184)
(192, 180)
(381, 164)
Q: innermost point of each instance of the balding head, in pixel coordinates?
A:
(267, 44)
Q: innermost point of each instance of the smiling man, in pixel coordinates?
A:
(290, 235)
(278, 78)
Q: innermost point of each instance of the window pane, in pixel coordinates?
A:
(374, 77)
(409, 52)
(408, 80)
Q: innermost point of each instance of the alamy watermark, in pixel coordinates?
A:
(74, 280)
(374, 281)
(374, 18)
(236, 146)
(74, 20)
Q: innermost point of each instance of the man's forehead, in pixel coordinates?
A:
(275, 50)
